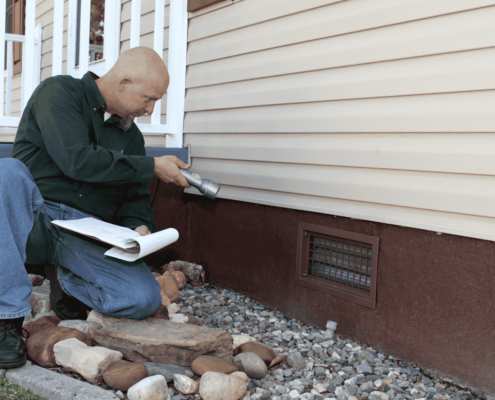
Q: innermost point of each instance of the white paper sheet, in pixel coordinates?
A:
(121, 237)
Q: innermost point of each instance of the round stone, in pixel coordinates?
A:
(121, 375)
(251, 364)
(204, 364)
(264, 352)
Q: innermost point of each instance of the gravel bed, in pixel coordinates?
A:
(318, 361)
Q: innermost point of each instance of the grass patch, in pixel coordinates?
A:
(9, 391)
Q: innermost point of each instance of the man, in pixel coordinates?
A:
(68, 163)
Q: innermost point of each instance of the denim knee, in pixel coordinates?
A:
(11, 168)
(146, 300)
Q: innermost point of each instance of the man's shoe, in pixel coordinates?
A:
(63, 305)
(13, 352)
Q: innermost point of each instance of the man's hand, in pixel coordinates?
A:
(143, 230)
(167, 170)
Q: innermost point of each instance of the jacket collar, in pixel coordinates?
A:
(96, 100)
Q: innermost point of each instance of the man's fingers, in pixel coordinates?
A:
(181, 181)
(181, 164)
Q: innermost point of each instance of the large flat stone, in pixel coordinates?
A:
(54, 386)
(164, 342)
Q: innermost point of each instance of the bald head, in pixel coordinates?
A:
(138, 79)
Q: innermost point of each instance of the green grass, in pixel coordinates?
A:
(9, 391)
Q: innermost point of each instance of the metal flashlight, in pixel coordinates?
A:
(206, 187)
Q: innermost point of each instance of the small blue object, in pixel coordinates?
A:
(122, 151)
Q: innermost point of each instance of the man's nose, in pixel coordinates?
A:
(149, 109)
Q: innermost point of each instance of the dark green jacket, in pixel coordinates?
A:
(78, 159)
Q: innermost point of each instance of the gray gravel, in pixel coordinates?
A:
(319, 361)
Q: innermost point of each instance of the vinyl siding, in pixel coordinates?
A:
(371, 109)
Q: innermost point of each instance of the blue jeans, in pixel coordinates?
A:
(106, 284)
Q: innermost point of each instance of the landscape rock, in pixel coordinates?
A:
(179, 318)
(165, 300)
(296, 361)
(161, 313)
(185, 385)
(40, 324)
(43, 314)
(88, 327)
(173, 308)
(194, 273)
(278, 360)
(251, 364)
(180, 279)
(41, 293)
(32, 303)
(217, 386)
(40, 345)
(102, 319)
(164, 342)
(121, 375)
(240, 374)
(168, 286)
(36, 280)
(151, 388)
(42, 306)
(90, 362)
(265, 353)
(240, 340)
(167, 370)
(204, 364)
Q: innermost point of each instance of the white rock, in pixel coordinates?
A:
(294, 394)
(378, 383)
(150, 388)
(331, 325)
(88, 327)
(352, 398)
(172, 308)
(102, 319)
(240, 374)
(90, 362)
(217, 386)
(321, 388)
(181, 318)
(42, 306)
(336, 356)
(119, 394)
(241, 339)
(185, 385)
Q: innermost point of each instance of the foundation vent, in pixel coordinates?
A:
(338, 262)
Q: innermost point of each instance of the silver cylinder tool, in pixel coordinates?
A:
(206, 187)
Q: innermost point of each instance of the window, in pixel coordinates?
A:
(97, 30)
(14, 23)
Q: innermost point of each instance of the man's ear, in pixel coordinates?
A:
(124, 83)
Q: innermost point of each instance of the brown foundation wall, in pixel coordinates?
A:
(435, 293)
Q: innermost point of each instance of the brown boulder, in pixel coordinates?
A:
(40, 345)
(266, 354)
(161, 313)
(164, 342)
(180, 278)
(204, 364)
(36, 280)
(41, 324)
(32, 302)
(169, 287)
(121, 375)
(194, 273)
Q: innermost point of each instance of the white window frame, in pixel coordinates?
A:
(173, 129)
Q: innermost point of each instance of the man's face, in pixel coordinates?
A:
(137, 99)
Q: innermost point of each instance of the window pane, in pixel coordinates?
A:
(96, 30)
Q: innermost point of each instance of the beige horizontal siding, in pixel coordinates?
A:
(371, 109)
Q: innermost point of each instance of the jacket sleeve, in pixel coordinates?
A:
(57, 110)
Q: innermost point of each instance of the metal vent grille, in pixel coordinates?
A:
(338, 262)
